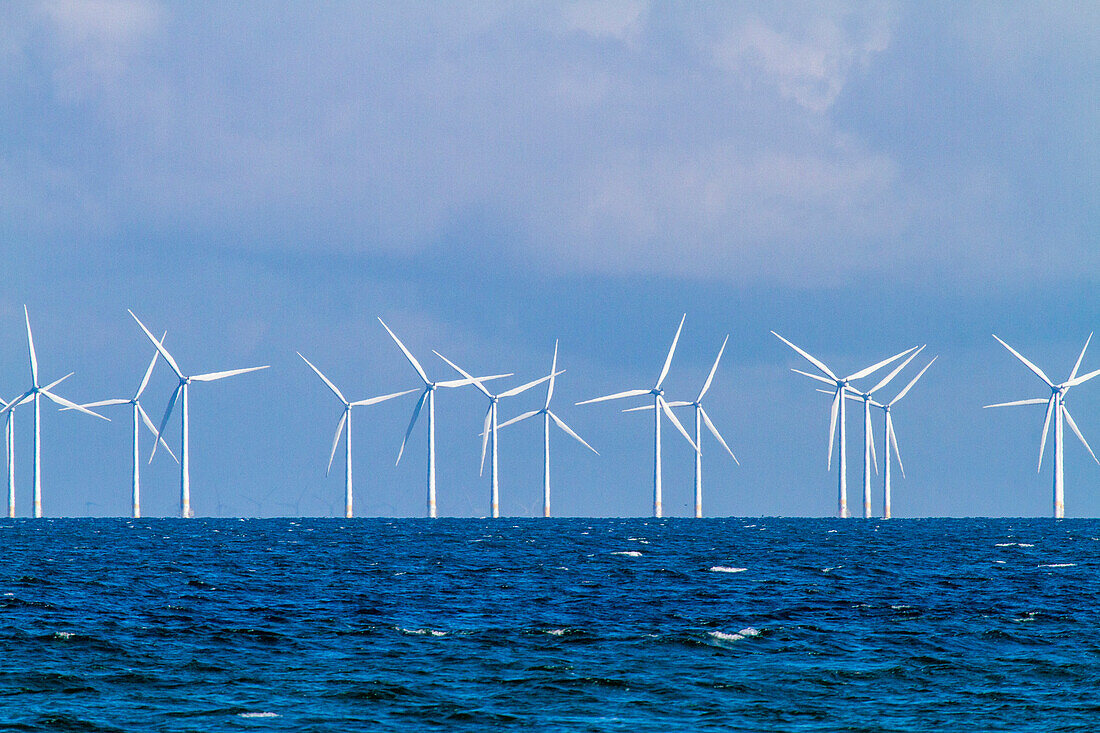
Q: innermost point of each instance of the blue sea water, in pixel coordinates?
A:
(563, 624)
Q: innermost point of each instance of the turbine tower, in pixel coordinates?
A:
(659, 406)
(9, 448)
(139, 415)
(840, 386)
(547, 416)
(428, 395)
(1055, 405)
(180, 394)
(868, 435)
(491, 427)
(34, 395)
(345, 420)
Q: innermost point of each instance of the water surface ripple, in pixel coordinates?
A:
(572, 624)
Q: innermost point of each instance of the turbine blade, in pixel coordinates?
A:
(16, 401)
(832, 424)
(894, 372)
(336, 439)
(616, 396)
(1036, 370)
(103, 403)
(871, 442)
(326, 380)
(149, 371)
(53, 384)
(1082, 379)
(1077, 366)
(909, 386)
(164, 420)
(412, 423)
(517, 419)
(1077, 432)
(472, 379)
(72, 405)
(464, 382)
(383, 398)
(159, 346)
(713, 369)
(716, 434)
(676, 422)
(485, 438)
(524, 387)
(153, 429)
(1046, 425)
(408, 355)
(829, 382)
(639, 409)
(30, 348)
(212, 376)
(805, 355)
(1036, 401)
(553, 371)
(569, 431)
(875, 367)
(894, 440)
(671, 351)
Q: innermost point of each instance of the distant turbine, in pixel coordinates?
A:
(659, 406)
(701, 416)
(547, 416)
(1056, 405)
(889, 437)
(840, 385)
(139, 416)
(345, 419)
(33, 395)
(181, 393)
(9, 448)
(868, 435)
(490, 427)
(428, 395)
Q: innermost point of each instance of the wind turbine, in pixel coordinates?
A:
(491, 426)
(180, 394)
(139, 416)
(868, 436)
(889, 437)
(547, 416)
(659, 406)
(345, 420)
(840, 385)
(9, 448)
(34, 395)
(428, 395)
(1056, 406)
(701, 417)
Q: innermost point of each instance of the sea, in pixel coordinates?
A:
(758, 624)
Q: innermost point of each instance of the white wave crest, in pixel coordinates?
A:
(257, 715)
(726, 569)
(742, 634)
(1060, 565)
(422, 632)
(628, 553)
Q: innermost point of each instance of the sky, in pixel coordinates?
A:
(490, 177)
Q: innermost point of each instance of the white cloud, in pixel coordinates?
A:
(619, 19)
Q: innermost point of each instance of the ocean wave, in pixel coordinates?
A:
(628, 553)
(744, 633)
(726, 569)
(421, 632)
(1060, 565)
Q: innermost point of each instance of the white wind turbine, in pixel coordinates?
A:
(34, 395)
(547, 416)
(180, 394)
(701, 417)
(345, 420)
(1056, 406)
(659, 406)
(840, 386)
(889, 437)
(490, 428)
(139, 416)
(868, 436)
(428, 395)
(9, 448)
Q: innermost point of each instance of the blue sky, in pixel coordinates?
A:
(487, 178)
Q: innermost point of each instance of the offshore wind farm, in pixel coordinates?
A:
(469, 366)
